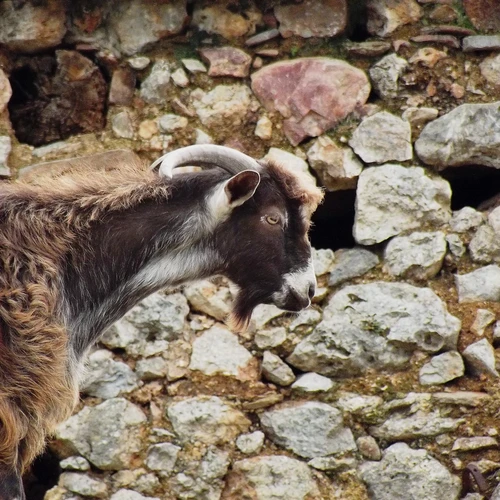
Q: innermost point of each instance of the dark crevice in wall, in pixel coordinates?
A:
(43, 476)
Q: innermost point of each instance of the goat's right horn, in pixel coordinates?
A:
(210, 155)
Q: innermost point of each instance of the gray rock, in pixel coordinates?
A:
(125, 494)
(375, 325)
(266, 339)
(477, 43)
(484, 318)
(84, 485)
(139, 24)
(106, 378)
(490, 69)
(484, 246)
(474, 443)
(309, 429)
(151, 368)
(139, 62)
(419, 116)
(351, 263)
(382, 137)
(337, 167)
(407, 473)
(312, 18)
(465, 219)
(106, 435)
(171, 122)
(180, 78)
(273, 478)
(461, 398)
(162, 458)
(206, 419)
(479, 285)
(264, 128)
(494, 219)
(250, 443)
(5, 149)
(263, 314)
(224, 105)
(75, 463)
(442, 368)
(333, 464)
(467, 135)
(456, 245)
(480, 358)
(496, 494)
(206, 297)
(122, 125)
(323, 260)
(419, 255)
(156, 87)
(275, 370)
(194, 66)
(369, 448)
(385, 208)
(385, 75)
(306, 319)
(420, 424)
(384, 17)
(218, 351)
(358, 404)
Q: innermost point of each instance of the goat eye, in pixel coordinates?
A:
(272, 219)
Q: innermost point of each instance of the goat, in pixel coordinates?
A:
(78, 252)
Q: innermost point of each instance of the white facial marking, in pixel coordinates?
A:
(299, 281)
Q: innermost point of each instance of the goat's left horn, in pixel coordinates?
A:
(208, 155)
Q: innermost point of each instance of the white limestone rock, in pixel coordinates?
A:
(310, 429)
(156, 87)
(276, 370)
(419, 255)
(407, 473)
(479, 285)
(162, 457)
(81, 484)
(382, 137)
(484, 318)
(484, 246)
(250, 443)
(351, 263)
(323, 260)
(170, 122)
(385, 75)
(208, 298)
(465, 219)
(442, 368)
(480, 358)
(391, 199)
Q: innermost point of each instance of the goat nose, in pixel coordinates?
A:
(311, 291)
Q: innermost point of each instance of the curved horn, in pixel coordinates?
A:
(210, 155)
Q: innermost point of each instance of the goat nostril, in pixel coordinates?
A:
(311, 291)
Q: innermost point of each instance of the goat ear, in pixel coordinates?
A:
(241, 187)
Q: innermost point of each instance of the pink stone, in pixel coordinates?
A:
(313, 94)
(122, 86)
(227, 61)
(321, 18)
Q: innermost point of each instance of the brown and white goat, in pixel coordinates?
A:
(81, 250)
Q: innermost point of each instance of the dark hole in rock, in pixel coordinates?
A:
(472, 186)
(43, 476)
(56, 96)
(356, 23)
(333, 221)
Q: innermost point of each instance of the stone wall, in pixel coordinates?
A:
(387, 387)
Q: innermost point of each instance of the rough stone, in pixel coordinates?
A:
(385, 17)
(419, 116)
(337, 167)
(305, 319)
(465, 219)
(407, 473)
(264, 128)
(275, 370)
(479, 285)
(84, 485)
(375, 325)
(105, 434)
(420, 424)
(477, 43)
(206, 297)
(32, 27)
(315, 93)
(442, 368)
(385, 75)
(225, 105)
(155, 88)
(5, 91)
(5, 149)
(180, 78)
(194, 66)
(106, 378)
(162, 458)
(456, 245)
(171, 122)
(122, 125)
(323, 260)
(384, 209)
(125, 494)
(271, 477)
(206, 419)
(490, 69)
(382, 137)
(418, 255)
(312, 18)
(221, 19)
(309, 429)
(480, 358)
(139, 62)
(462, 398)
(151, 368)
(227, 61)
(218, 351)
(75, 463)
(484, 246)
(369, 448)
(474, 443)
(358, 404)
(483, 14)
(122, 86)
(312, 382)
(428, 56)
(250, 443)
(467, 135)
(267, 339)
(351, 263)
(484, 318)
